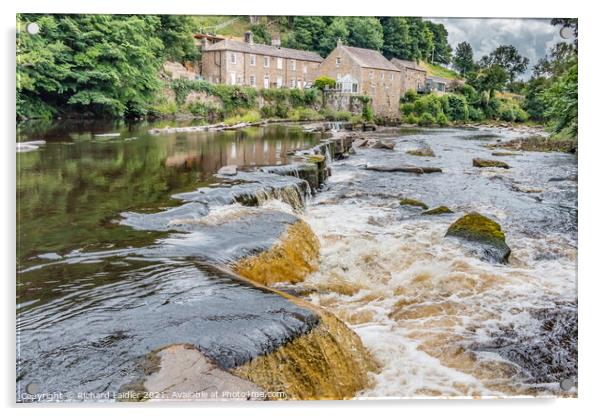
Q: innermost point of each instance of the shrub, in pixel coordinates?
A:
(507, 114)
(305, 114)
(442, 119)
(411, 119)
(299, 98)
(332, 115)
(410, 96)
(457, 107)
(267, 112)
(281, 110)
(205, 110)
(251, 116)
(428, 104)
(356, 119)
(521, 115)
(324, 82)
(407, 108)
(475, 114)
(426, 119)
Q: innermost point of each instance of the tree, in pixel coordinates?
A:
(507, 57)
(463, 58)
(562, 102)
(261, 34)
(100, 64)
(426, 44)
(176, 34)
(441, 49)
(490, 80)
(335, 31)
(306, 33)
(560, 58)
(365, 32)
(324, 82)
(397, 41)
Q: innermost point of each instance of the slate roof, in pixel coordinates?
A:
(237, 46)
(401, 63)
(369, 58)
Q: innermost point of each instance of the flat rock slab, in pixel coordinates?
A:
(229, 170)
(486, 163)
(404, 168)
(186, 374)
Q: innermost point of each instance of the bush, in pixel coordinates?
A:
(305, 114)
(281, 110)
(521, 115)
(407, 108)
(410, 96)
(457, 107)
(251, 116)
(332, 115)
(207, 111)
(426, 119)
(411, 119)
(442, 119)
(324, 82)
(507, 114)
(356, 119)
(475, 114)
(428, 104)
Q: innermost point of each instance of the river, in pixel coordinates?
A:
(102, 278)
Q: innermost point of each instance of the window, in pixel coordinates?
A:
(279, 63)
(279, 82)
(252, 81)
(392, 76)
(338, 61)
(233, 58)
(292, 82)
(266, 61)
(382, 75)
(293, 65)
(299, 83)
(266, 82)
(305, 69)
(252, 59)
(371, 74)
(354, 87)
(233, 78)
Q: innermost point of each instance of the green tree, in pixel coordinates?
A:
(306, 33)
(176, 34)
(442, 52)
(397, 41)
(336, 30)
(507, 57)
(463, 58)
(261, 34)
(561, 100)
(490, 80)
(365, 32)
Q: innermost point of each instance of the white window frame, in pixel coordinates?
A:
(279, 82)
(371, 74)
(292, 83)
(233, 58)
(338, 61)
(252, 59)
(279, 63)
(266, 61)
(266, 81)
(252, 80)
(305, 69)
(232, 78)
(293, 65)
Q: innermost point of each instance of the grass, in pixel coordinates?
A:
(251, 116)
(439, 71)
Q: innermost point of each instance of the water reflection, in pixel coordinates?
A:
(70, 191)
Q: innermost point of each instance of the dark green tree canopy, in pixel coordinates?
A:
(507, 57)
(463, 58)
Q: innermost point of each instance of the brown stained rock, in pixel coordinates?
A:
(486, 163)
(186, 374)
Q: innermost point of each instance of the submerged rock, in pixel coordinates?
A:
(380, 144)
(505, 154)
(229, 170)
(423, 151)
(485, 232)
(540, 144)
(486, 163)
(404, 168)
(438, 211)
(413, 202)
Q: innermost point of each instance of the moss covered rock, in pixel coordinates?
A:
(423, 151)
(438, 211)
(413, 203)
(485, 233)
(486, 163)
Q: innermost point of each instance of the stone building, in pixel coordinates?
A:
(365, 72)
(259, 66)
(413, 77)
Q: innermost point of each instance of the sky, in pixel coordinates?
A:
(532, 37)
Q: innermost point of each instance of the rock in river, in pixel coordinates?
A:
(438, 211)
(229, 170)
(413, 203)
(403, 168)
(486, 233)
(486, 163)
(422, 151)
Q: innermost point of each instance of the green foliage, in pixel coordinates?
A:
(441, 49)
(233, 97)
(261, 34)
(102, 65)
(305, 114)
(457, 107)
(463, 58)
(207, 111)
(365, 32)
(562, 102)
(324, 82)
(475, 114)
(441, 119)
(175, 33)
(430, 104)
(407, 108)
(336, 30)
(306, 33)
(508, 58)
(426, 119)
(410, 96)
(332, 115)
(251, 116)
(411, 119)
(396, 34)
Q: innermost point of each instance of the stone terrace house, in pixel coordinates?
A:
(365, 72)
(259, 66)
(413, 77)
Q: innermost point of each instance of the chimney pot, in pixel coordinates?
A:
(276, 41)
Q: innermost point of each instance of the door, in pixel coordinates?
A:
(266, 82)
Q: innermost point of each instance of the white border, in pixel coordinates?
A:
(590, 160)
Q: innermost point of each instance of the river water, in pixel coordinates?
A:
(105, 275)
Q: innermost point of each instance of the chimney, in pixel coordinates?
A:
(249, 37)
(339, 42)
(276, 41)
